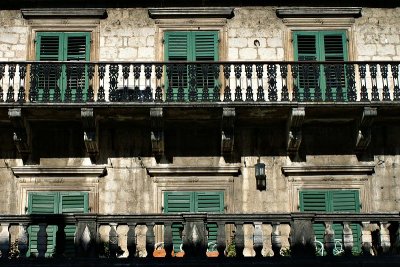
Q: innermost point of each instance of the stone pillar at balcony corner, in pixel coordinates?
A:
(20, 132)
(157, 132)
(294, 131)
(194, 235)
(302, 235)
(86, 235)
(90, 132)
(227, 132)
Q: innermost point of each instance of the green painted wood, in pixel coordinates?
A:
(320, 46)
(332, 201)
(42, 203)
(55, 203)
(212, 202)
(191, 46)
(62, 46)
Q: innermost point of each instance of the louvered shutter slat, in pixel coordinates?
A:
(42, 203)
(211, 202)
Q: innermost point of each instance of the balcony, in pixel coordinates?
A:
(241, 238)
(182, 83)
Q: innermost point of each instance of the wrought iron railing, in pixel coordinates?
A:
(248, 81)
(285, 234)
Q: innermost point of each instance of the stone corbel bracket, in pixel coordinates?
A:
(364, 129)
(227, 131)
(157, 132)
(90, 132)
(294, 130)
(20, 135)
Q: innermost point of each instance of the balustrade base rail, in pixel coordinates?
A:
(225, 262)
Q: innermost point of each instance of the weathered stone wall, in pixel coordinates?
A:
(127, 35)
(255, 23)
(377, 34)
(13, 36)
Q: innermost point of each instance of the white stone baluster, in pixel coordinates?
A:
(366, 239)
(347, 238)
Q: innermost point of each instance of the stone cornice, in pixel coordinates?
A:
(56, 13)
(193, 170)
(191, 12)
(318, 12)
(35, 171)
(327, 169)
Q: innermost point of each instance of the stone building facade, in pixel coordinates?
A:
(126, 178)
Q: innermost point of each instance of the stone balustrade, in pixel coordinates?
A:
(98, 236)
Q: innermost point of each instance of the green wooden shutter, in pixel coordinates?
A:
(77, 48)
(72, 202)
(315, 201)
(178, 47)
(175, 202)
(49, 47)
(347, 201)
(205, 49)
(191, 46)
(193, 202)
(62, 46)
(332, 201)
(42, 203)
(210, 202)
(319, 46)
(334, 48)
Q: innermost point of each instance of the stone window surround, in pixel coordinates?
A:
(186, 24)
(45, 179)
(356, 177)
(318, 24)
(193, 179)
(65, 25)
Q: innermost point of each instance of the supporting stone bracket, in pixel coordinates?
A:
(20, 135)
(364, 129)
(294, 130)
(90, 132)
(157, 132)
(227, 131)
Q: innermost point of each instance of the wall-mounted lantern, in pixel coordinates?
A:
(261, 180)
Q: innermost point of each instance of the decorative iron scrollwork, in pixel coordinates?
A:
(284, 74)
(101, 96)
(362, 69)
(113, 75)
(227, 91)
(238, 90)
(351, 83)
(11, 74)
(272, 90)
(21, 91)
(373, 69)
(248, 68)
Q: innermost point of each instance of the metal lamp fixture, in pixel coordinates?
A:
(260, 176)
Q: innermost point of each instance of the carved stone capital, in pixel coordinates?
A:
(364, 129)
(21, 130)
(294, 130)
(90, 132)
(157, 131)
(227, 131)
